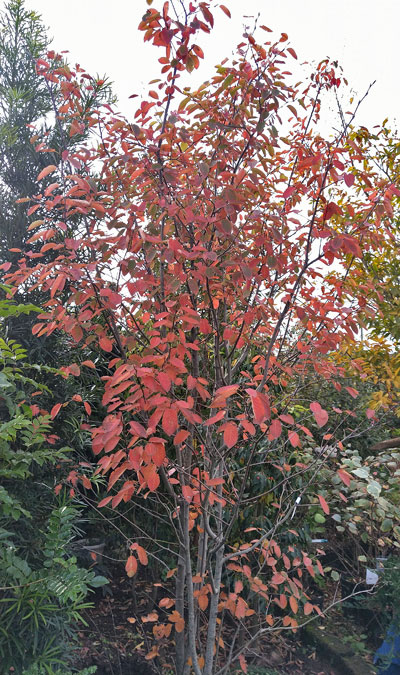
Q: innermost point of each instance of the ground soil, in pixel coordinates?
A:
(117, 641)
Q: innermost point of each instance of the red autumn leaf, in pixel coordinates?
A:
(157, 453)
(344, 476)
(86, 482)
(213, 482)
(289, 192)
(331, 209)
(170, 421)
(106, 344)
(349, 179)
(230, 434)
(165, 381)
(278, 578)
(181, 437)
(288, 419)
(55, 410)
(216, 418)
(187, 492)
(57, 284)
(324, 505)
(308, 608)
(320, 415)
(138, 429)
(353, 392)
(352, 245)
(293, 604)
(205, 327)
(294, 439)
(241, 607)
(104, 501)
(274, 430)
(260, 405)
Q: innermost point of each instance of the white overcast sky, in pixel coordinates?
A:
(363, 35)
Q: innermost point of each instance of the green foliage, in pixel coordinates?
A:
(34, 670)
(387, 592)
(43, 599)
(43, 588)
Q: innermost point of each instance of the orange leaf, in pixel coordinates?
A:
(202, 599)
(151, 477)
(227, 12)
(178, 620)
(142, 555)
(89, 364)
(293, 604)
(46, 171)
(149, 618)
(308, 608)
(243, 663)
(131, 566)
(324, 505)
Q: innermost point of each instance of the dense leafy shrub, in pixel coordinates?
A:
(43, 589)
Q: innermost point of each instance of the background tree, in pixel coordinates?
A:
(25, 100)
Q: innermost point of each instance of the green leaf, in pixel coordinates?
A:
(361, 473)
(387, 525)
(98, 581)
(374, 488)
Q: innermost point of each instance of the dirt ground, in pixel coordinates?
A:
(116, 641)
